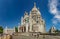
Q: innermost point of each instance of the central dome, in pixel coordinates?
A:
(34, 8)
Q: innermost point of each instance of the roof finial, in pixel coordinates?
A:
(34, 4)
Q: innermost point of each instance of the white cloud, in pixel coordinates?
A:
(54, 22)
(54, 10)
(57, 16)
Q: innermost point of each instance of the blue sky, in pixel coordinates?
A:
(12, 10)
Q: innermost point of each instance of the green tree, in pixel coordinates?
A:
(1, 29)
(16, 29)
(49, 30)
(57, 31)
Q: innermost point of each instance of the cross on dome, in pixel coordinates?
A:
(34, 4)
(34, 8)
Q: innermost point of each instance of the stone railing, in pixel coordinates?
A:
(5, 37)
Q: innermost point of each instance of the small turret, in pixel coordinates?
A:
(53, 29)
(21, 20)
(26, 13)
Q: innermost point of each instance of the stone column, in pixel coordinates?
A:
(42, 29)
(19, 27)
(39, 28)
(26, 27)
(30, 21)
(21, 20)
(14, 29)
(23, 29)
(30, 27)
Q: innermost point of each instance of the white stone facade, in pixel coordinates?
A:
(33, 22)
(53, 29)
(9, 30)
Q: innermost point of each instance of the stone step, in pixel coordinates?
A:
(32, 37)
(22, 37)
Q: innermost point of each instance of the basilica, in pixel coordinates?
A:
(32, 22)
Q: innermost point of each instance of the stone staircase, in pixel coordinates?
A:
(22, 37)
(32, 37)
